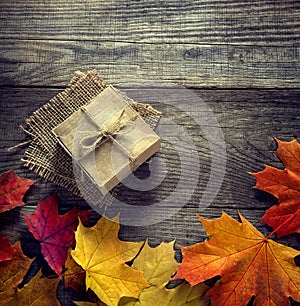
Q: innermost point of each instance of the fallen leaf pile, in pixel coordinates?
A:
(104, 270)
(158, 265)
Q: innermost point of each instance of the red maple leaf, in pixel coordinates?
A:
(55, 232)
(12, 190)
(6, 250)
(285, 186)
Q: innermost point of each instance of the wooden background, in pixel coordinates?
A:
(240, 57)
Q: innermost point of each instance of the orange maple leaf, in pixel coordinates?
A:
(249, 265)
(285, 186)
(39, 291)
(12, 272)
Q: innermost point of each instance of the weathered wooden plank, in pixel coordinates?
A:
(249, 121)
(202, 44)
(51, 62)
(201, 21)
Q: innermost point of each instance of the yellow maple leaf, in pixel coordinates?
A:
(102, 255)
(158, 265)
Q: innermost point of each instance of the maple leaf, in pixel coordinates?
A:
(158, 265)
(55, 232)
(285, 186)
(249, 264)
(74, 276)
(12, 273)
(12, 190)
(6, 250)
(102, 255)
(40, 291)
(89, 303)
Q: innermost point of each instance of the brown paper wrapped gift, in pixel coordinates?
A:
(107, 138)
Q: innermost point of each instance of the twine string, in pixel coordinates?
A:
(112, 127)
(21, 144)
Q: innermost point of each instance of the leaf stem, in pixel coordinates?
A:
(281, 225)
(70, 274)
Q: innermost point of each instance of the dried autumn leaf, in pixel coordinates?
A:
(6, 250)
(12, 273)
(12, 190)
(40, 291)
(285, 186)
(102, 255)
(88, 303)
(55, 232)
(158, 265)
(74, 276)
(249, 264)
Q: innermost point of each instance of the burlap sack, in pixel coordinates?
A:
(45, 156)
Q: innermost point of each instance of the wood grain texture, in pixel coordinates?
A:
(154, 21)
(249, 121)
(241, 57)
(199, 44)
(50, 63)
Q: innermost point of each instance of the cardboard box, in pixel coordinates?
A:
(107, 138)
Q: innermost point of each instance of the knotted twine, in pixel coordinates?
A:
(108, 130)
